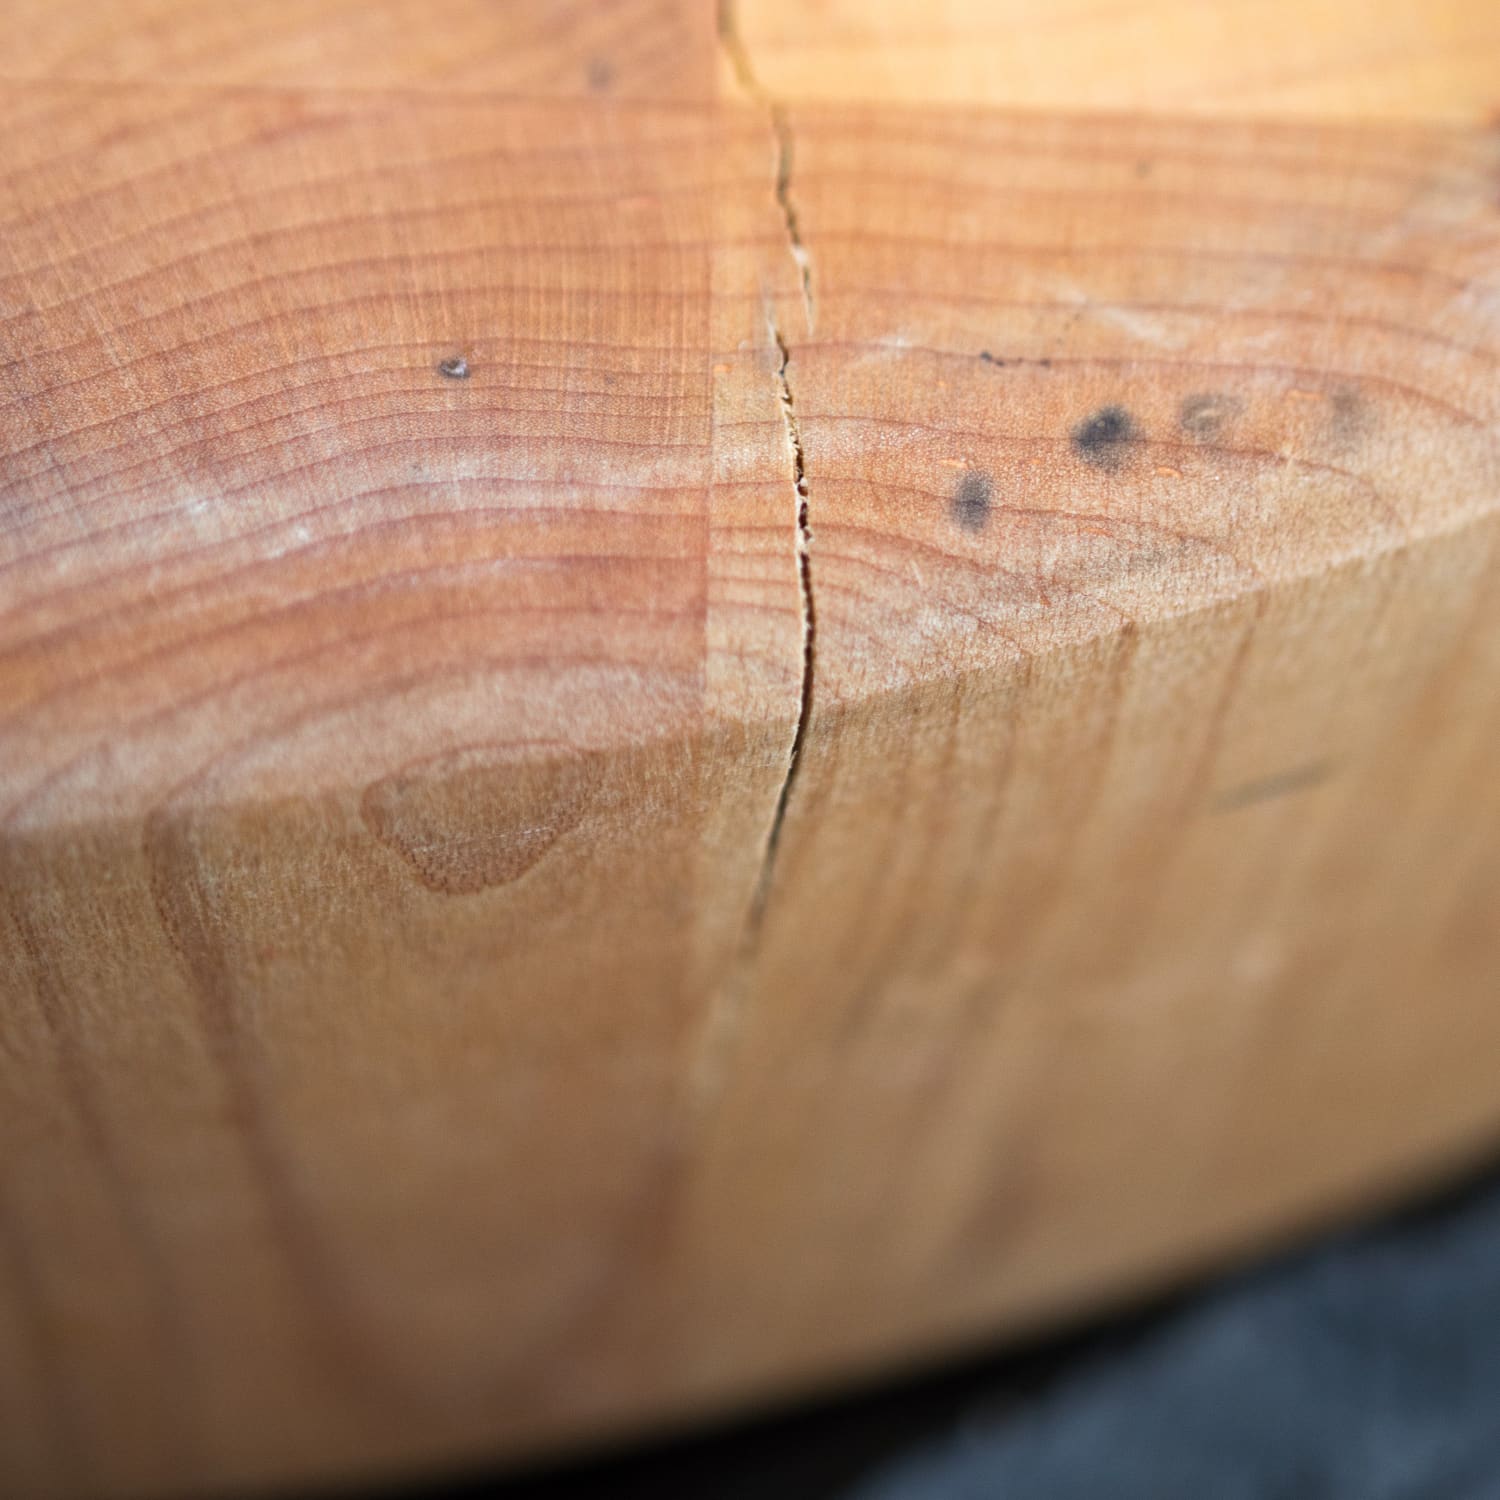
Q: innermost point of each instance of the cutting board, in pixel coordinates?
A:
(695, 704)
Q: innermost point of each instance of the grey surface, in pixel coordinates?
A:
(1366, 1370)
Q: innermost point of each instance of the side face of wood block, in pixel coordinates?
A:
(674, 722)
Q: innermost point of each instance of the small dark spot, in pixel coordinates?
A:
(991, 359)
(1143, 168)
(1352, 417)
(601, 74)
(1204, 416)
(970, 507)
(456, 368)
(1102, 438)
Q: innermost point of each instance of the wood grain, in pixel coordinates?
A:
(691, 703)
(1374, 60)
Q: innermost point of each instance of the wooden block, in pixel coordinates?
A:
(695, 704)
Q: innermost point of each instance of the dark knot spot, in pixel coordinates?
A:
(456, 368)
(1204, 416)
(1101, 439)
(970, 506)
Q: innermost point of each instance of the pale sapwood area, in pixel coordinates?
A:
(693, 704)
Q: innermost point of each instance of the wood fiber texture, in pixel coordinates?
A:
(692, 703)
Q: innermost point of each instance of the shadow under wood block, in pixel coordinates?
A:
(669, 730)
